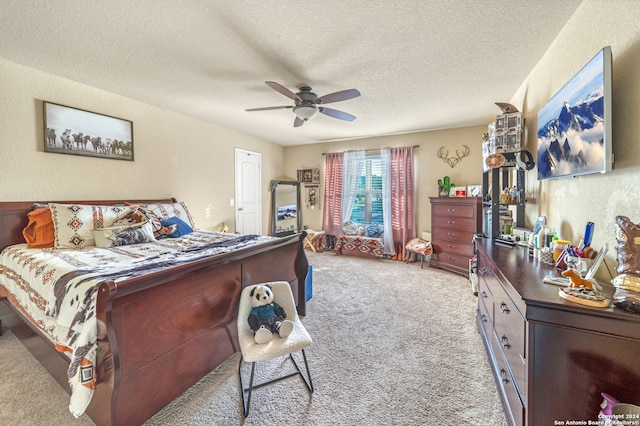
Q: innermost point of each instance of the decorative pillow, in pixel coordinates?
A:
(39, 232)
(136, 215)
(124, 235)
(157, 212)
(169, 210)
(350, 228)
(374, 230)
(182, 227)
(74, 223)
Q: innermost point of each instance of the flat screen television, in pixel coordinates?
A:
(574, 126)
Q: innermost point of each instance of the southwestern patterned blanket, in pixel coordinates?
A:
(58, 289)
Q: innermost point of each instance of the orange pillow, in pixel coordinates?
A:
(39, 232)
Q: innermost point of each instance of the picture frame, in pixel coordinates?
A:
(474, 190)
(75, 131)
(311, 176)
(458, 191)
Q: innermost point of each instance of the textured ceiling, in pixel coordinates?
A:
(420, 65)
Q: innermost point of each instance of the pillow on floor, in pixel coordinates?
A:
(74, 223)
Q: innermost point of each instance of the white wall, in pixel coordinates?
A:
(569, 203)
(175, 155)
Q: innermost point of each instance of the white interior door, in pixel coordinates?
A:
(248, 200)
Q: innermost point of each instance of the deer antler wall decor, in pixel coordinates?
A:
(452, 161)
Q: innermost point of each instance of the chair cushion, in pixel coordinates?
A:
(420, 246)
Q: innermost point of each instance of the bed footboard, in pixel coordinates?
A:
(166, 330)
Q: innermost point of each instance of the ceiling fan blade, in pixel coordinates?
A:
(280, 88)
(298, 122)
(337, 114)
(268, 108)
(343, 95)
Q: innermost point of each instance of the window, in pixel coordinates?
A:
(367, 207)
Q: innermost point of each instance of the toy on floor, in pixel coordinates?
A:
(266, 316)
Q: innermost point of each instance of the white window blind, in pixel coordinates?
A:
(367, 206)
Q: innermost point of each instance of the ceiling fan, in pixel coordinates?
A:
(308, 104)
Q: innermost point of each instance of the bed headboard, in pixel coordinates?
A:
(13, 215)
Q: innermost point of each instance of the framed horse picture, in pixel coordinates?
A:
(78, 132)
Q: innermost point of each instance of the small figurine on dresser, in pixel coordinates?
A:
(583, 291)
(444, 186)
(627, 283)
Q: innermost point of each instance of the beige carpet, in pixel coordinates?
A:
(393, 344)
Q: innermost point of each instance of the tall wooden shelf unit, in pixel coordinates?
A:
(493, 182)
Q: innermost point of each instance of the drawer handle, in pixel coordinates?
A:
(505, 342)
(451, 222)
(451, 246)
(451, 234)
(484, 294)
(451, 210)
(504, 308)
(504, 376)
(484, 318)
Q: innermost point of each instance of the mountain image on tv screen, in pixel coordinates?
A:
(571, 126)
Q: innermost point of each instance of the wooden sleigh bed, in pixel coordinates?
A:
(165, 330)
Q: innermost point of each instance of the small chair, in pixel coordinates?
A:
(420, 247)
(251, 352)
(313, 240)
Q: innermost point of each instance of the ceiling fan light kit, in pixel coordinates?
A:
(307, 103)
(305, 112)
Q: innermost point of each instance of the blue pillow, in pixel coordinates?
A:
(374, 230)
(183, 227)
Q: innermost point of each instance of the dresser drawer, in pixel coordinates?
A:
(452, 210)
(516, 408)
(460, 261)
(510, 329)
(485, 300)
(459, 223)
(455, 247)
(465, 237)
(485, 311)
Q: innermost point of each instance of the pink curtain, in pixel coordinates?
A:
(332, 213)
(403, 215)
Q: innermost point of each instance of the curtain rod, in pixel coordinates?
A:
(372, 149)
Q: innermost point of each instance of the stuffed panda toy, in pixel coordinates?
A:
(266, 316)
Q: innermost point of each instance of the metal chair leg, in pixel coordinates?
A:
(247, 391)
(246, 396)
(307, 380)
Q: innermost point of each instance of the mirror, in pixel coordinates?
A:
(285, 208)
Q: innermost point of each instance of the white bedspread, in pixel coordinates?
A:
(57, 288)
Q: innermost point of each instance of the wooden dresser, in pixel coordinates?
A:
(454, 221)
(551, 358)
